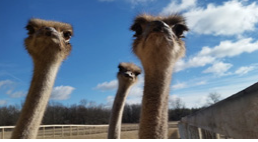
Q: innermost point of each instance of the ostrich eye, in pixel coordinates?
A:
(30, 29)
(179, 30)
(137, 28)
(136, 73)
(67, 35)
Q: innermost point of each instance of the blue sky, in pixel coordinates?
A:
(221, 55)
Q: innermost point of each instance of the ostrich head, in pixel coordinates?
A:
(158, 40)
(48, 40)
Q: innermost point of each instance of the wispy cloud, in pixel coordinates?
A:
(17, 94)
(245, 69)
(188, 84)
(193, 62)
(175, 6)
(139, 1)
(106, 86)
(200, 83)
(9, 86)
(106, 0)
(5, 83)
(109, 100)
(133, 2)
(179, 86)
(136, 93)
(218, 68)
(134, 96)
(212, 55)
(195, 96)
(3, 102)
(61, 92)
(230, 49)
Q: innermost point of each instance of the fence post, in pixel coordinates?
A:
(54, 131)
(193, 132)
(210, 135)
(2, 133)
(62, 131)
(70, 131)
(44, 132)
(183, 130)
(217, 136)
(200, 133)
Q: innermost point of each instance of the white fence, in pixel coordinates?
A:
(234, 117)
(60, 131)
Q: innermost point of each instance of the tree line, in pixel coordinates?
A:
(57, 113)
(90, 113)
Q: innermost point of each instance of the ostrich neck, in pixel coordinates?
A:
(37, 99)
(117, 111)
(154, 117)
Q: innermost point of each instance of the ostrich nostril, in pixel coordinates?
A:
(157, 29)
(158, 25)
(128, 74)
(48, 33)
(49, 30)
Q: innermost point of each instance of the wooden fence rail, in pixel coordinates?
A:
(233, 117)
(59, 131)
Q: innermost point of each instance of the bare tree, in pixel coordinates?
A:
(83, 102)
(177, 103)
(213, 98)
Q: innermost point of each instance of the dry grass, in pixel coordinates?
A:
(173, 134)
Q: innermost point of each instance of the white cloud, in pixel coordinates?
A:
(174, 6)
(200, 83)
(135, 95)
(179, 86)
(133, 2)
(244, 70)
(193, 62)
(5, 82)
(61, 92)
(231, 18)
(188, 84)
(9, 86)
(172, 99)
(110, 100)
(106, 0)
(136, 91)
(17, 94)
(230, 49)
(211, 55)
(227, 86)
(105, 86)
(139, 1)
(3, 102)
(218, 68)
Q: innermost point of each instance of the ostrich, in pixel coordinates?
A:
(48, 44)
(158, 44)
(127, 76)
